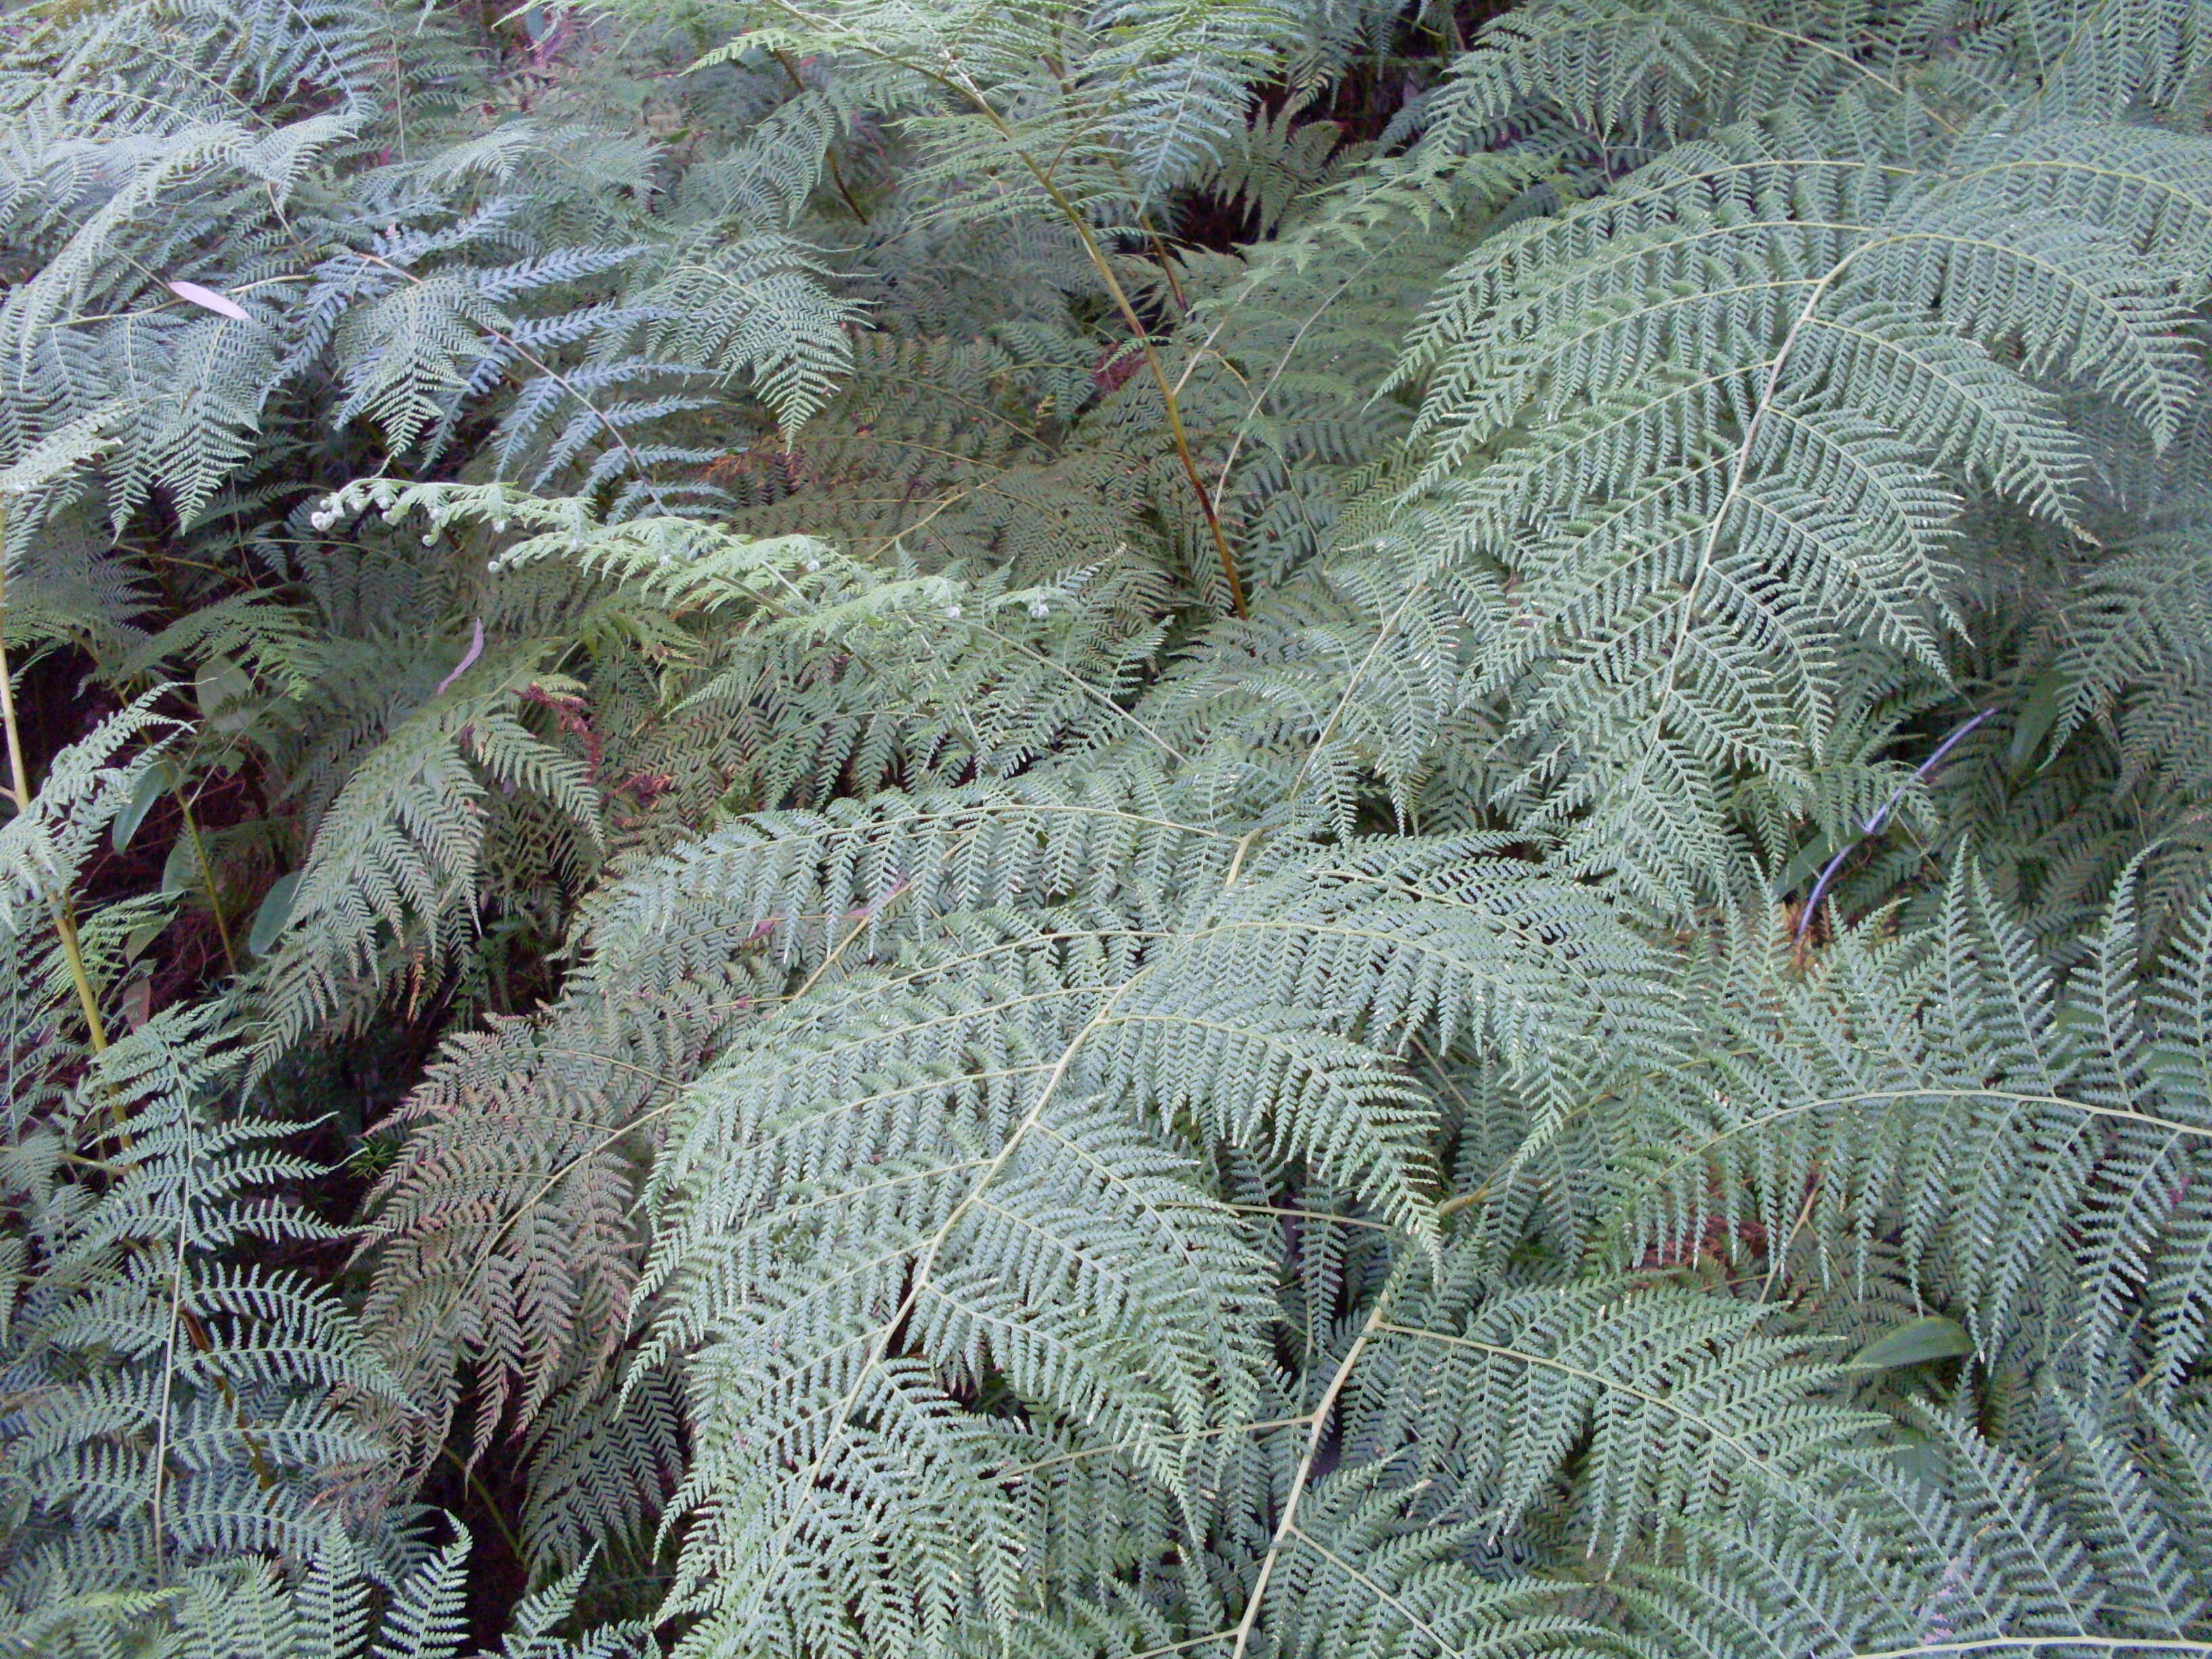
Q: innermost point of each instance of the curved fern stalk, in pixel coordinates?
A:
(1882, 816)
(175, 1407)
(30, 809)
(1152, 93)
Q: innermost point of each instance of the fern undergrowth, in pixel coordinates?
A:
(1253, 829)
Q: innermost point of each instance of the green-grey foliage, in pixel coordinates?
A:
(1236, 828)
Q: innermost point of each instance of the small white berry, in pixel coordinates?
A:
(953, 611)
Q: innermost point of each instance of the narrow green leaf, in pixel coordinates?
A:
(275, 910)
(223, 689)
(2038, 715)
(152, 784)
(1915, 1344)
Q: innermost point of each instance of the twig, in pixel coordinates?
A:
(468, 659)
(1873, 826)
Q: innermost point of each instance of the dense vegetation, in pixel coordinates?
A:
(1233, 828)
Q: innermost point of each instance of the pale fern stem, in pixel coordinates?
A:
(945, 503)
(883, 1184)
(1185, 1645)
(1751, 1459)
(1087, 689)
(1121, 177)
(1237, 863)
(1366, 1583)
(2082, 32)
(207, 869)
(1753, 25)
(20, 787)
(935, 970)
(1545, 1362)
(1351, 685)
(527, 356)
(169, 1359)
(1260, 1427)
(836, 173)
(1503, 739)
(1291, 1214)
(614, 1135)
(1774, 1273)
(1893, 1096)
(859, 926)
(963, 711)
(879, 1343)
(1740, 472)
(1169, 402)
(1376, 1321)
(1280, 367)
(2148, 184)
(1452, 1206)
(985, 1074)
(1160, 252)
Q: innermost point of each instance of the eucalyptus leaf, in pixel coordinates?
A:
(153, 783)
(224, 691)
(1915, 1344)
(275, 910)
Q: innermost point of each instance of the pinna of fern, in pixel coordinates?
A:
(168, 1403)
